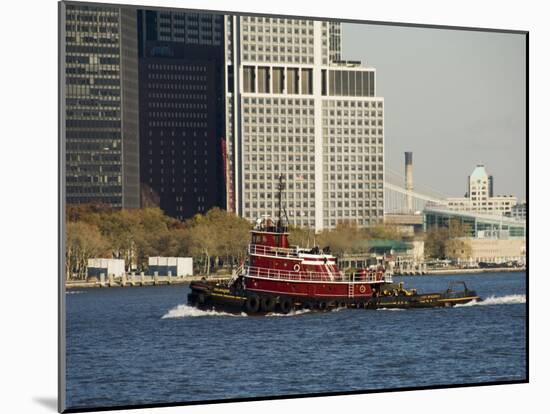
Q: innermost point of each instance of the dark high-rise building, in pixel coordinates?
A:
(101, 105)
(182, 115)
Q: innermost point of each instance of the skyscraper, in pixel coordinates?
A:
(181, 111)
(294, 108)
(101, 107)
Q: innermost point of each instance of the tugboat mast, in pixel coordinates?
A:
(280, 226)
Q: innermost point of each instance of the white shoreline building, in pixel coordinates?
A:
(480, 198)
(293, 108)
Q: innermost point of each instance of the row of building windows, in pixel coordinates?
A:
(274, 177)
(356, 177)
(87, 80)
(276, 149)
(92, 49)
(176, 86)
(87, 70)
(177, 96)
(107, 39)
(282, 120)
(269, 109)
(194, 136)
(179, 76)
(176, 105)
(71, 28)
(354, 167)
(352, 113)
(175, 124)
(167, 68)
(274, 21)
(340, 195)
(350, 158)
(91, 123)
(251, 195)
(253, 41)
(278, 101)
(278, 140)
(176, 115)
(362, 141)
(94, 189)
(76, 58)
(282, 158)
(97, 114)
(302, 185)
(283, 59)
(277, 167)
(86, 179)
(337, 103)
(345, 149)
(294, 161)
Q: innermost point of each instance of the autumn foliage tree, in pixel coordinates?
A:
(448, 242)
(218, 235)
(84, 240)
(137, 234)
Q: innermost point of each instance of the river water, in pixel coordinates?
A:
(145, 345)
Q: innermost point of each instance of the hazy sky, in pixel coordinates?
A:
(454, 98)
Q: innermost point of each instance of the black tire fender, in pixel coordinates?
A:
(267, 303)
(285, 305)
(252, 304)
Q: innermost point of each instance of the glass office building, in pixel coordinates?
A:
(181, 111)
(101, 105)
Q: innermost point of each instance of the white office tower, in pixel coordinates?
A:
(294, 109)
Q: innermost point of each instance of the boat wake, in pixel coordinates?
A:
(390, 309)
(186, 311)
(497, 300)
(291, 313)
(73, 292)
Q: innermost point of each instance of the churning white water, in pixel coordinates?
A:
(497, 300)
(186, 311)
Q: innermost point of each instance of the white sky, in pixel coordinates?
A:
(455, 98)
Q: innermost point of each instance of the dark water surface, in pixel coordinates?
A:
(144, 345)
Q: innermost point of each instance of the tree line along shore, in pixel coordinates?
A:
(216, 240)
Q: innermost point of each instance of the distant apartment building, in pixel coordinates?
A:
(480, 198)
(294, 108)
(101, 105)
(182, 114)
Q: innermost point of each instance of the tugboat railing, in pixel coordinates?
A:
(278, 274)
(272, 251)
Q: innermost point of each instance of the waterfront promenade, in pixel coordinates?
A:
(141, 280)
(454, 271)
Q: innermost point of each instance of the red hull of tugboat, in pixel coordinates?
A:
(310, 290)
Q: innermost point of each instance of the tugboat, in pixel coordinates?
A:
(278, 277)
